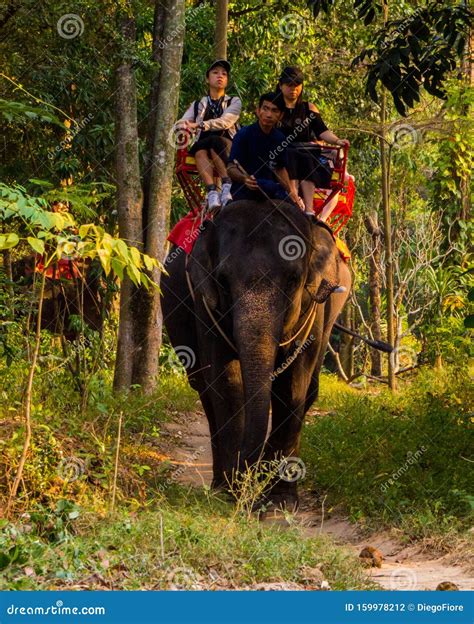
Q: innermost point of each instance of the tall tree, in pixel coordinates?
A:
(129, 195)
(387, 220)
(144, 202)
(375, 299)
(220, 36)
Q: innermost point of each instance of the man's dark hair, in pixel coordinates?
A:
(274, 98)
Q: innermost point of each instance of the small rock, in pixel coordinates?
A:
(312, 575)
(447, 586)
(371, 557)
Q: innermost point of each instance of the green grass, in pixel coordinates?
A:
(189, 540)
(67, 437)
(63, 536)
(398, 458)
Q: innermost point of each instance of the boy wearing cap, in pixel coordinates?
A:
(214, 120)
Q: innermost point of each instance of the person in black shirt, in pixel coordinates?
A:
(302, 123)
(214, 121)
(257, 161)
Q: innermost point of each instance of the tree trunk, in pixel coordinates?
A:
(157, 53)
(468, 71)
(346, 349)
(149, 324)
(220, 36)
(129, 200)
(371, 223)
(387, 222)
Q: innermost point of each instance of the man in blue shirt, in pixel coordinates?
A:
(257, 161)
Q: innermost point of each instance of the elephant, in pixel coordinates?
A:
(83, 295)
(264, 282)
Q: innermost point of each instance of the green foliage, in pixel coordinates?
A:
(73, 457)
(56, 235)
(453, 165)
(443, 330)
(418, 50)
(401, 458)
(20, 112)
(200, 542)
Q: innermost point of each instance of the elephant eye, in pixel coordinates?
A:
(293, 280)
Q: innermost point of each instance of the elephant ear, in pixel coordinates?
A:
(323, 270)
(201, 264)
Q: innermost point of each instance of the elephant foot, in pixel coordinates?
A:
(286, 501)
(277, 501)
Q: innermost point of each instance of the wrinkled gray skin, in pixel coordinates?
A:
(260, 286)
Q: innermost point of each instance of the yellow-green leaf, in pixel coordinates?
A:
(122, 249)
(134, 274)
(84, 229)
(117, 267)
(104, 256)
(7, 241)
(135, 256)
(36, 244)
(150, 263)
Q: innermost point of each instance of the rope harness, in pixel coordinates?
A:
(311, 317)
(308, 322)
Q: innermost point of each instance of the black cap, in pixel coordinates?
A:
(220, 62)
(292, 74)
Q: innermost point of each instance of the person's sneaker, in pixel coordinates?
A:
(213, 200)
(226, 195)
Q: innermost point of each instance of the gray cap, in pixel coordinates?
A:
(220, 62)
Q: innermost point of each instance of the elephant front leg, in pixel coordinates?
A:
(224, 392)
(288, 409)
(289, 467)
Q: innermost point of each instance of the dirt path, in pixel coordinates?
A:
(404, 567)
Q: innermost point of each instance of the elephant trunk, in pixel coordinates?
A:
(257, 327)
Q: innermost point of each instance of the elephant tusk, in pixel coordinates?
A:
(340, 289)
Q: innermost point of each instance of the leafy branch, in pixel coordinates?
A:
(56, 235)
